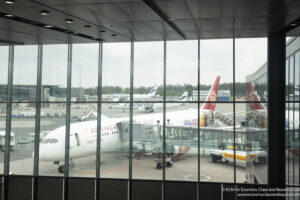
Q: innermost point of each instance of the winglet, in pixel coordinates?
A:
(252, 96)
(212, 96)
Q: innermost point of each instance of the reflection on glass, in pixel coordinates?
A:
(217, 144)
(182, 142)
(182, 69)
(4, 71)
(148, 71)
(114, 143)
(2, 134)
(25, 73)
(116, 71)
(52, 143)
(54, 73)
(147, 145)
(252, 141)
(251, 68)
(83, 140)
(216, 60)
(85, 72)
(22, 139)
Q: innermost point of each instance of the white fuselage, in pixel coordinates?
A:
(83, 135)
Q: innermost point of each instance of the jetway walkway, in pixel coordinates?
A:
(150, 137)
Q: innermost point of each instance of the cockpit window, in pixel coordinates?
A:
(53, 141)
(44, 141)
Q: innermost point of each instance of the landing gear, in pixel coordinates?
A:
(61, 168)
(159, 162)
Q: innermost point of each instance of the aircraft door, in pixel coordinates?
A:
(74, 140)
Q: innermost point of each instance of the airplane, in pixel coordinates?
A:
(83, 135)
(150, 107)
(151, 93)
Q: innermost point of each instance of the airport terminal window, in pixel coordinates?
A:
(3, 74)
(54, 78)
(148, 73)
(220, 126)
(2, 135)
(292, 112)
(25, 73)
(85, 72)
(182, 70)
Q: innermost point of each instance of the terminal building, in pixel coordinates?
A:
(63, 137)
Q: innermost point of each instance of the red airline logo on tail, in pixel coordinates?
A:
(212, 96)
(252, 96)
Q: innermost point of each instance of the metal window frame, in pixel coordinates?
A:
(99, 111)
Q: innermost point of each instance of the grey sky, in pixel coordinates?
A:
(215, 59)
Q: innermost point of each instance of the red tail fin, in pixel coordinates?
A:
(212, 95)
(252, 96)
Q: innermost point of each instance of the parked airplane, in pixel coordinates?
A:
(150, 107)
(151, 93)
(83, 135)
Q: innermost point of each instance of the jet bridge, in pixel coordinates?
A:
(149, 138)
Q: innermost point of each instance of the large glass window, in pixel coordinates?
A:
(85, 72)
(292, 115)
(3, 74)
(148, 72)
(182, 70)
(54, 79)
(52, 139)
(116, 72)
(22, 138)
(2, 135)
(220, 123)
(25, 73)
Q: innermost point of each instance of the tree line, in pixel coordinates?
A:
(172, 90)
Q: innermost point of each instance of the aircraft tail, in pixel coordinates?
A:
(252, 96)
(184, 97)
(212, 96)
(153, 91)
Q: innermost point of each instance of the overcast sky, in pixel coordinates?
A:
(215, 59)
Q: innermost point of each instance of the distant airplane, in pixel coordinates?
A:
(83, 135)
(150, 107)
(120, 97)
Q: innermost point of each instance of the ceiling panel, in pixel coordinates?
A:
(126, 20)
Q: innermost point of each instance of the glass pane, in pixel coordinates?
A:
(251, 68)
(182, 142)
(25, 73)
(292, 139)
(2, 134)
(114, 143)
(251, 138)
(182, 70)
(22, 139)
(148, 71)
(116, 71)
(4, 71)
(216, 144)
(54, 78)
(147, 145)
(83, 140)
(85, 72)
(216, 60)
(52, 143)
